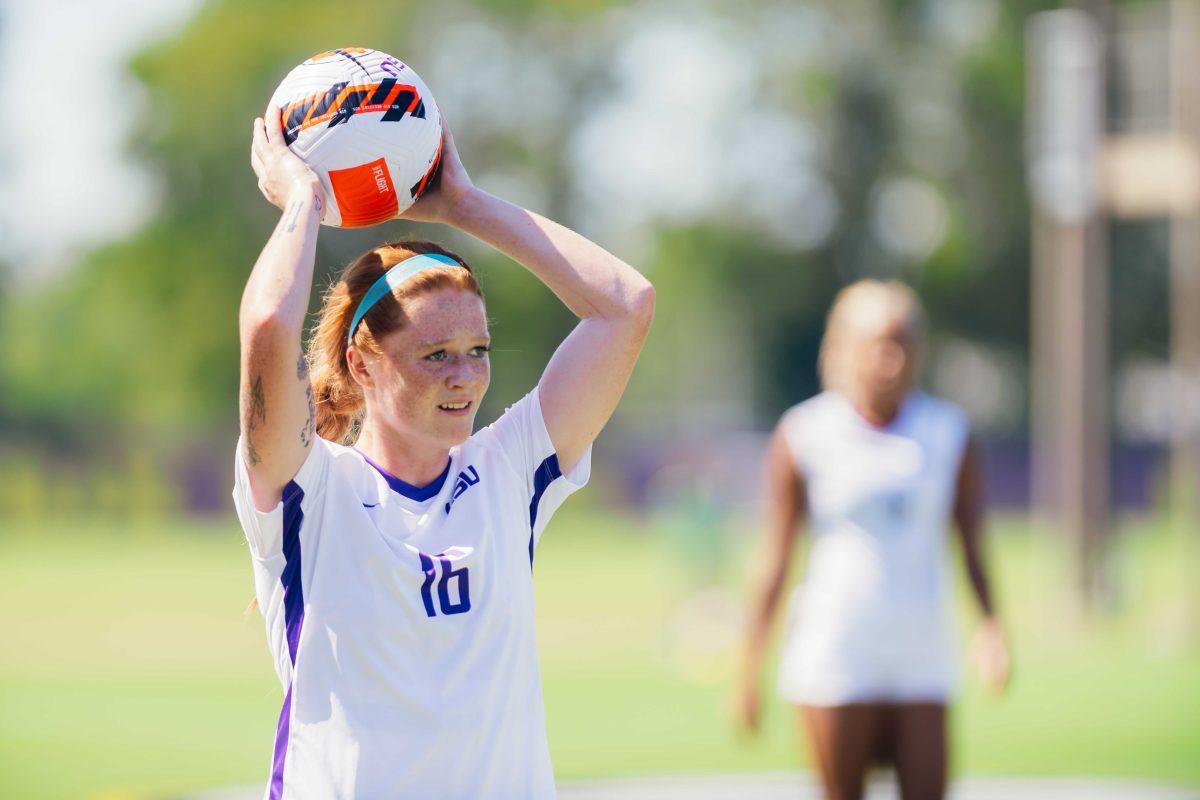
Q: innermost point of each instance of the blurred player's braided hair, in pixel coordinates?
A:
(339, 400)
(869, 297)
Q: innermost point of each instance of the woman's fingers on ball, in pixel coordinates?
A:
(258, 148)
(258, 139)
(275, 125)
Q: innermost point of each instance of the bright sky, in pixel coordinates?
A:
(64, 181)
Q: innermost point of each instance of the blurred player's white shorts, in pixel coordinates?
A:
(883, 655)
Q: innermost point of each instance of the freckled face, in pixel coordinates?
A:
(435, 370)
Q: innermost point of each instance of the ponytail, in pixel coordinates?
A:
(338, 399)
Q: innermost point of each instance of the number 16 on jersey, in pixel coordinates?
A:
(444, 563)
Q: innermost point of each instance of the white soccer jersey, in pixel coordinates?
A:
(401, 618)
(870, 621)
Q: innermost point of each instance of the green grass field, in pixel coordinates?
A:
(128, 671)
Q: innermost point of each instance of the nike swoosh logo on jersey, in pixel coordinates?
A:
(370, 505)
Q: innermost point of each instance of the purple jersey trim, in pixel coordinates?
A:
(418, 493)
(543, 476)
(281, 743)
(293, 616)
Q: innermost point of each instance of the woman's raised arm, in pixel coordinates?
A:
(586, 376)
(277, 415)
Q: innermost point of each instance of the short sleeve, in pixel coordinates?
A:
(264, 529)
(521, 434)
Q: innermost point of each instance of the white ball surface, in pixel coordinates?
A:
(368, 127)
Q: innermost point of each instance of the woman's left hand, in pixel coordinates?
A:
(746, 707)
(444, 198)
(989, 653)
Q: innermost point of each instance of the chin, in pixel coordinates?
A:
(454, 435)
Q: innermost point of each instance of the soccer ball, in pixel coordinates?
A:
(368, 127)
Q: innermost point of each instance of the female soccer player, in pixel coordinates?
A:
(878, 468)
(395, 575)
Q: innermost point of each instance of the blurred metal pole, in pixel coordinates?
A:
(1185, 270)
(1070, 283)
(1044, 365)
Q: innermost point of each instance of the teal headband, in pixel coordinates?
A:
(391, 280)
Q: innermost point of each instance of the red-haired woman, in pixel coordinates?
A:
(877, 469)
(392, 546)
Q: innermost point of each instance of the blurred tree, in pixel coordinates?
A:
(143, 339)
(753, 157)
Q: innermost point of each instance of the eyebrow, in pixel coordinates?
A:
(444, 342)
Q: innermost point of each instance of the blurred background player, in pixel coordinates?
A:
(877, 468)
(395, 576)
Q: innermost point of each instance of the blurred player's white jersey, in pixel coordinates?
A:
(401, 619)
(871, 620)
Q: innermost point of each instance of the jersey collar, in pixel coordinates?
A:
(417, 493)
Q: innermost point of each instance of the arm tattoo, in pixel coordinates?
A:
(310, 426)
(255, 415)
(293, 213)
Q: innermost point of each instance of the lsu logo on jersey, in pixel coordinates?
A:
(465, 480)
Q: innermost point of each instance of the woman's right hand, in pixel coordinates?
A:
(443, 200)
(281, 173)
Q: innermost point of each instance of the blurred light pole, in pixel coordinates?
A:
(1149, 167)
(1185, 258)
(1064, 130)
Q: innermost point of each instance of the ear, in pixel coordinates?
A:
(360, 371)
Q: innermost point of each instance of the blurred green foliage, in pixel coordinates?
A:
(138, 350)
